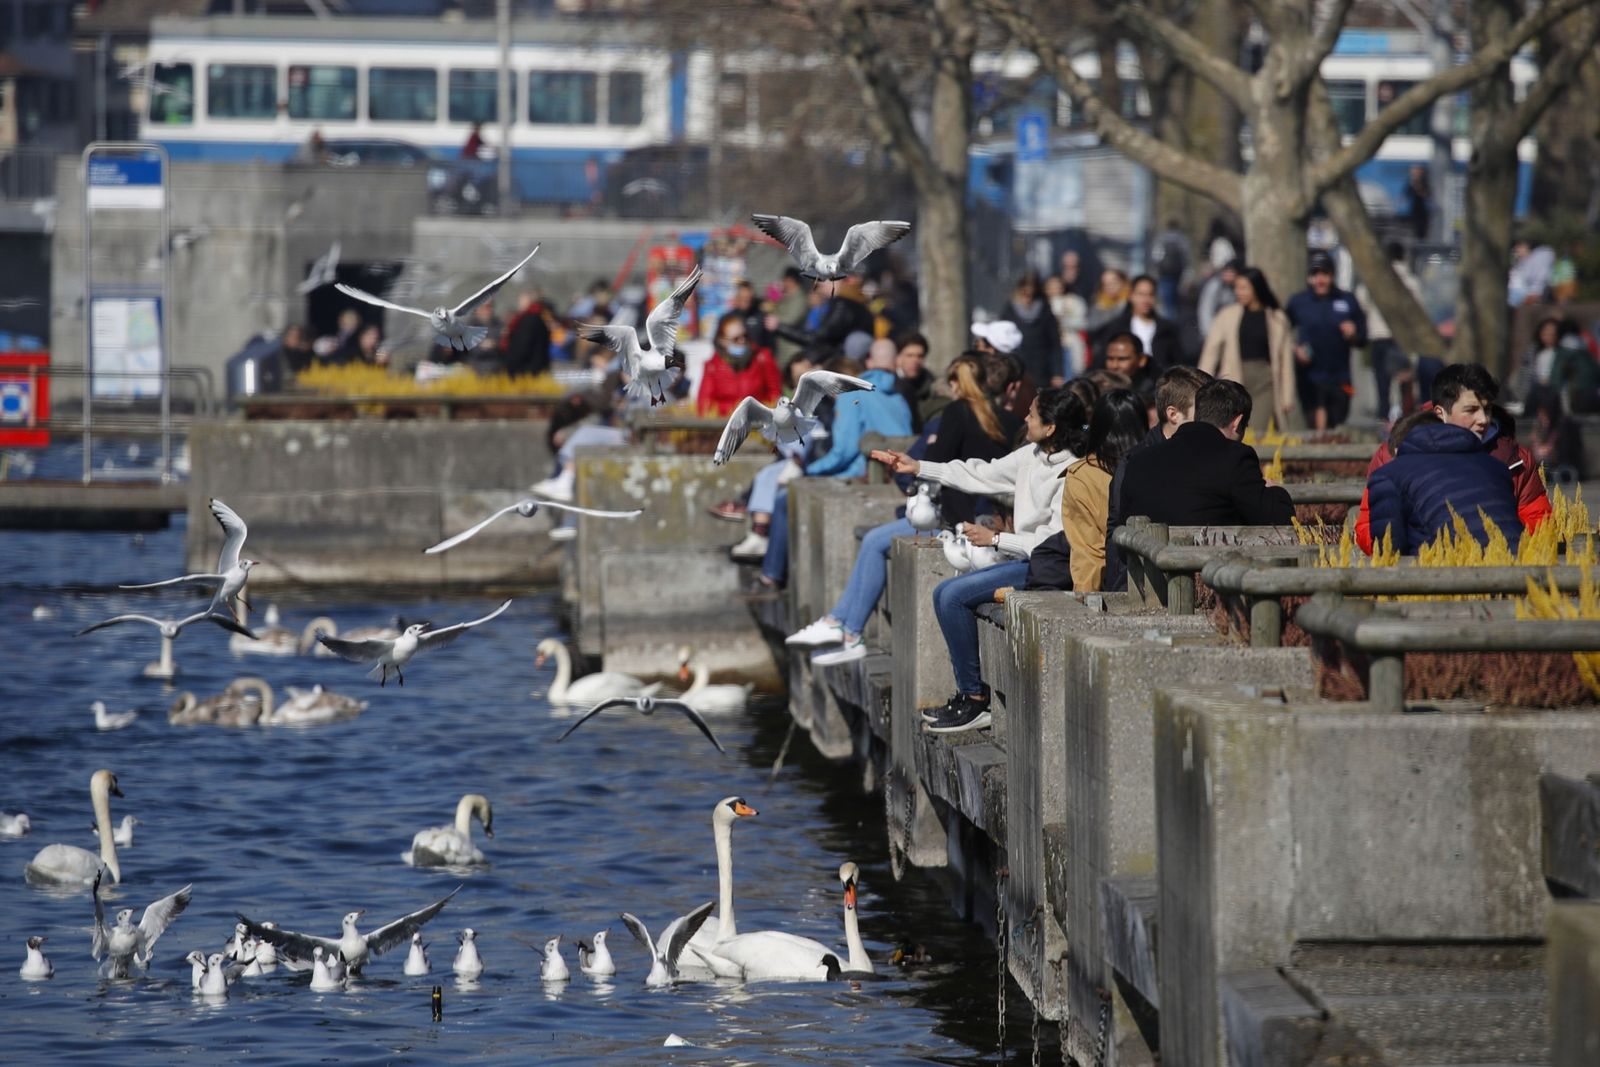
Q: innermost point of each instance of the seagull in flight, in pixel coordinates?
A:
(449, 323)
(860, 241)
(386, 653)
(231, 574)
(171, 628)
(648, 706)
(526, 508)
(125, 942)
(354, 946)
(649, 361)
(791, 421)
(324, 271)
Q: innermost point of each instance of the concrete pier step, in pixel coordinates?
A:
(97, 506)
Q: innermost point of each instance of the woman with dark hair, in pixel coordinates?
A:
(1118, 424)
(1056, 424)
(736, 370)
(1559, 362)
(1252, 342)
(1040, 350)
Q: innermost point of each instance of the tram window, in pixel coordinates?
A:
(475, 96)
(236, 91)
(562, 97)
(171, 93)
(625, 98)
(403, 94)
(1417, 125)
(1349, 105)
(324, 93)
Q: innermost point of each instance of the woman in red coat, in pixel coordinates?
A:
(736, 371)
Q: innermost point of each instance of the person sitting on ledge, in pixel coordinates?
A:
(1441, 471)
(1202, 475)
(1056, 427)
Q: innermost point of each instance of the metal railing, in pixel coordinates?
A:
(28, 174)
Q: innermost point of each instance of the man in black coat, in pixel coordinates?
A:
(1160, 337)
(1202, 475)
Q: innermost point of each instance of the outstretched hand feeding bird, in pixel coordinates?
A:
(449, 323)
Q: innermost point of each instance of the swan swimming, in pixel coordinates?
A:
(595, 958)
(703, 697)
(71, 865)
(245, 702)
(860, 962)
(36, 967)
(452, 846)
(727, 811)
(106, 720)
(125, 943)
(554, 968)
(386, 655)
(591, 688)
(16, 825)
(353, 947)
(665, 953)
(313, 707)
(417, 958)
(467, 963)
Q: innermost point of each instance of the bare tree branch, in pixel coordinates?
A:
(1223, 186)
(1557, 75)
(1421, 96)
(1327, 36)
(1190, 51)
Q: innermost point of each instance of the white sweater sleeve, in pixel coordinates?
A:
(980, 477)
(1021, 543)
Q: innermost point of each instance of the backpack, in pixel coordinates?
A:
(1049, 565)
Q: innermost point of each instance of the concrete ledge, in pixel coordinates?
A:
(1128, 914)
(1572, 964)
(1571, 822)
(1269, 1023)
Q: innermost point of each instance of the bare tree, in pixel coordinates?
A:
(1298, 156)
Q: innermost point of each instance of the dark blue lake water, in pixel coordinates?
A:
(300, 826)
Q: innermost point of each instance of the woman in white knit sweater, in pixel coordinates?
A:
(1031, 475)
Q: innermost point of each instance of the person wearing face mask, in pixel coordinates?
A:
(1463, 399)
(736, 370)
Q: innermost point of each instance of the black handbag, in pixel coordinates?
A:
(1049, 564)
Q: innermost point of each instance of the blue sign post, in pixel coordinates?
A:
(1033, 137)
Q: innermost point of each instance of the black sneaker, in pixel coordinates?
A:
(943, 711)
(970, 715)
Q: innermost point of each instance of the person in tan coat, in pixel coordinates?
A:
(1252, 342)
(1118, 424)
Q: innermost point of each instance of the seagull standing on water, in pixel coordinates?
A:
(648, 361)
(527, 509)
(106, 720)
(36, 967)
(649, 706)
(449, 323)
(790, 421)
(385, 654)
(355, 947)
(468, 964)
(595, 958)
(860, 241)
(14, 825)
(231, 574)
(125, 942)
(417, 958)
(554, 968)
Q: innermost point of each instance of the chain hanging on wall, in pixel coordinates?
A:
(1105, 1021)
(1000, 963)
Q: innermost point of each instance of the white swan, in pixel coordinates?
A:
(271, 638)
(703, 941)
(417, 958)
(860, 962)
(36, 967)
(452, 846)
(704, 697)
(595, 958)
(313, 707)
(106, 720)
(554, 968)
(468, 964)
(245, 702)
(591, 688)
(71, 865)
(309, 642)
(14, 825)
(164, 668)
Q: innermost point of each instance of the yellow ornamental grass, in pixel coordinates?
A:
(1270, 439)
(1342, 551)
(360, 380)
(1548, 602)
(1273, 472)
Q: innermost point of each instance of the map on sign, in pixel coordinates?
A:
(125, 337)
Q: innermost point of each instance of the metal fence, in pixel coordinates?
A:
(27, 174)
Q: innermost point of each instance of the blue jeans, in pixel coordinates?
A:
(764, 488)
(954, 603)
(868, 576)
(775, 564)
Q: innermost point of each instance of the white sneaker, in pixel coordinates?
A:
(821, 632)
(853, 649)
(751, 549)
(790, 472)
(558, 487)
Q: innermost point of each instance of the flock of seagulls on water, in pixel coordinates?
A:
(704, 944)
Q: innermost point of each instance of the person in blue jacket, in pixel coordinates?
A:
(1438, 469)
(857, 413)
(1328, 324)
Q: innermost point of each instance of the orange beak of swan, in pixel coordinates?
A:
(683, 672)
(741, 808)
(850, 894)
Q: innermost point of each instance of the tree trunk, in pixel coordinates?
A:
(942, 195)
(1274, 211)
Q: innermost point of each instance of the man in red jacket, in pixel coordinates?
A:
(736, 370)
(1464, 395)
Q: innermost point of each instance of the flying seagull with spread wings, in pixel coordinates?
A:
(649, 361)
(126, 943)
(354, 946)
(171, 628)
(386, 653)
(649, 706)
(527, 509)
(449, 323)
(860, 241)
(231, 573)
(791, 421)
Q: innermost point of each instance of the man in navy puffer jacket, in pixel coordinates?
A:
(1440, 467)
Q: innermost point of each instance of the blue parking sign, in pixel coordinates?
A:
(1033, 137)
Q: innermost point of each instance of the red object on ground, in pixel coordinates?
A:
(24, 399)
